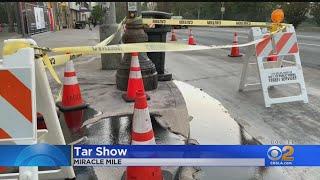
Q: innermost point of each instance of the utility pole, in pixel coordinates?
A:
(109, 26)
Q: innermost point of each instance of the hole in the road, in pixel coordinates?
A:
(117, 130)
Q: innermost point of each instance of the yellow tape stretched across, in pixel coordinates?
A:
(134, 47)
(145, 47)
(142, 47)
(61, 59)
(215, 23)
(111, 37)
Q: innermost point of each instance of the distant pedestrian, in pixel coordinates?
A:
(89, 22)
(94, 22)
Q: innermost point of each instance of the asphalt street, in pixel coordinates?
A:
(309, 42)
(219, 76)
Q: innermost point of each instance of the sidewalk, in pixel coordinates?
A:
(167, 106)
(65, 37)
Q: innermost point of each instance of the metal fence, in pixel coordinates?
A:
(31, 21)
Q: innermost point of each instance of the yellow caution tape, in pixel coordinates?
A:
(47, 62)
(111, 37)
(215, 23)
(63, 58)
(145, 47)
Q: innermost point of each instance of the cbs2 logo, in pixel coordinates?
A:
(285, 154)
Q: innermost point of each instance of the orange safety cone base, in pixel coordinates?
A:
(165, 175)
(74, 119)
(235, 51)
(191, 41)
(238, 55)
(127, 99)
(63, 108)
(272, 58)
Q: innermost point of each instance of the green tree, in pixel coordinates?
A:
(295, 12)
(144, 6)
(315, 11)
(97, 13)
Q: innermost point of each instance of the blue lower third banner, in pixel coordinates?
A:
(159, 155)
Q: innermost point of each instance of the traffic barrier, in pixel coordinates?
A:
(235, 51)
(173, 35)
(25, 90)
(72, 104)
(142, 134)
(191, 40)
(135, 80)
(284, 46)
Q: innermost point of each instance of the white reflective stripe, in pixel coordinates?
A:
(141, 122)
(23, 75)
(69, 66)
(135, 75)
(13, 122)
(291, 41)
(70, 80)
(149, 142)
(267, 49)
(135, 61)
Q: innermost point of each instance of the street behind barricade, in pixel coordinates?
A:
(219, 75)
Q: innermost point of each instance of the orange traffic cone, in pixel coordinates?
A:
(173, 35)
(72, 104)
(142, 134)
(191, 40)
(40, 122)
(272, 57)
(135, 80)
(235, 51)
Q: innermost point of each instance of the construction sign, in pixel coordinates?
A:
(285, 70)
(17, 97)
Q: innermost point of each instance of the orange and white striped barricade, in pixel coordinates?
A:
(25, 90)
(17, 103)
(286, 70)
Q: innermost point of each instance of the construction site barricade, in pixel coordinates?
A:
(25, 90)
(285, 70)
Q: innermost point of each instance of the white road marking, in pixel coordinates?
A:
(318, 45)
